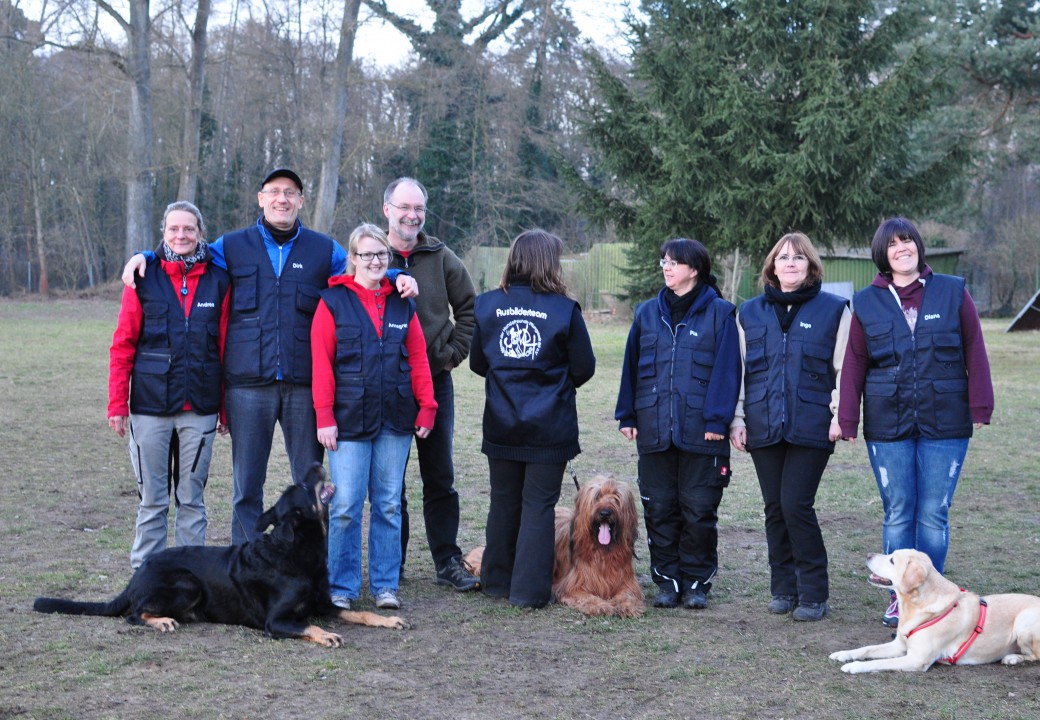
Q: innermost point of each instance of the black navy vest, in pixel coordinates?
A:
(917, 383)
(789, 378)
(177, 358)
(373, 374)
(269, 325)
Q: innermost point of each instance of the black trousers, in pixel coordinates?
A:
(789, 476)
(437, 470)
(521, 531)
(681, 492)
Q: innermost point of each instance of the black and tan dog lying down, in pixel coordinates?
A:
(275, 583)
(940, 623)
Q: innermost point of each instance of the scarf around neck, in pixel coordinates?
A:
(188, 260)
(787, 304)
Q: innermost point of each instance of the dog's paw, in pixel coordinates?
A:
(394, 622)
(842, 655)
(162, 624)
(1012, 659)
(854, 667)
(332, 640)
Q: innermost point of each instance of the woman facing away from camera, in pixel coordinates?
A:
(532, 348)
(165, 355)
(792, 342)
(679, 386)
(917, 361)
(372, 391)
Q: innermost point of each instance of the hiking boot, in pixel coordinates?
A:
(341, 601)
(891, 616)
(782, 604)
(694, 599)
(666, 598)
(386, 599)
(810, 611)
(456, 575)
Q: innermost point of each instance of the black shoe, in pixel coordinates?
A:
(694, 599)
(666, 598)
(456, 575)
(782, 604)
(810, 612)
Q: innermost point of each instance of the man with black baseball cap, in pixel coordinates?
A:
(277, 268)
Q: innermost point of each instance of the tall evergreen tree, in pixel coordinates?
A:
(745, 119)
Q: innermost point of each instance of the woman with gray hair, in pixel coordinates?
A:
(165, 357)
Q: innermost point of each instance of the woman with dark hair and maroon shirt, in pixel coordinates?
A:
(917, 360)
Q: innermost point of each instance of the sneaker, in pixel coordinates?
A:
(810, 611)
(456, 575)
(386, 599)
(891, 616)
(782, 604)
(666, 598)
(341, 601)
(694, 599)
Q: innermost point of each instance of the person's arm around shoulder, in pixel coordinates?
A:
(121, 357)
(323, 380)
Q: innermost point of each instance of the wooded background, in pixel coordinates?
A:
(729, 121)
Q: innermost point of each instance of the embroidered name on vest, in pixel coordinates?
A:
(695, 333)
(933, 316)
(297, 266)
(205, 304)
(399, 326)
(807, 326)
(521, 312)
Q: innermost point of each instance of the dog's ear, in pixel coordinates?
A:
(914, 574)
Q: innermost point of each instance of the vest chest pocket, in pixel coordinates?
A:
(155, 327)
(755, 360)
(881, 343)
(647, 361)
(816, 367)
(307, 299)
(948, 349)
(244, 289)
(348, 348)
(701, 366)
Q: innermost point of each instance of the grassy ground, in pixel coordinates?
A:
(67, 508)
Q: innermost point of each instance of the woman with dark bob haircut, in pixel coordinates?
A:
(917, 361)
(679, 386)
(792, 342)
(531, 346)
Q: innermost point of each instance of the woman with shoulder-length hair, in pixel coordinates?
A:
(679, 386)
(792, 343)
(531, 345)
(917, 360)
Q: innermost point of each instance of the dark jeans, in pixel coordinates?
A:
(521, 531)
(437, 470)
(789, 476)
(681, 492)
(252, 413)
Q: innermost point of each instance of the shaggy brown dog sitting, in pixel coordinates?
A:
(595, 549)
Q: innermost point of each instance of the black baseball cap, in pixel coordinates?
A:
(285, 173)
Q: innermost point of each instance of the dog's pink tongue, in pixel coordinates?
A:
(604, 534)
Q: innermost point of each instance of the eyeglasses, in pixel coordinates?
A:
(408, 209)
(669, 263)
(289, 194)
(791, 258)
(381, 256)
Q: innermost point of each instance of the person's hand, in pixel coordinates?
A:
(136, 264)
(714, 436)
(327, 437)
(118, 423)
(222, 428)
(978, 426)
(407, 286)
(834, 434)
(629, 432)
(738, 438)
(421, 432)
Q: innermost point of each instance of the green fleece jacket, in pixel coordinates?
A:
(445, 301)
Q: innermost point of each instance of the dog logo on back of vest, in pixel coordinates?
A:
(520, 340)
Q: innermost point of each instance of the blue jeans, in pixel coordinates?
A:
(252, 413)
(917, 479)
(373, 468)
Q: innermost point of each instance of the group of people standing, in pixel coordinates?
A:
(351, 352)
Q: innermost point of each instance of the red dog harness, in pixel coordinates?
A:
(952, 660)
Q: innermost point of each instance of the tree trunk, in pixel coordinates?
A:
(193, 113)
(325, 202)
(41, 249)
(140, 183)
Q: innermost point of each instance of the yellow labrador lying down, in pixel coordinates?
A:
(938, 622)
